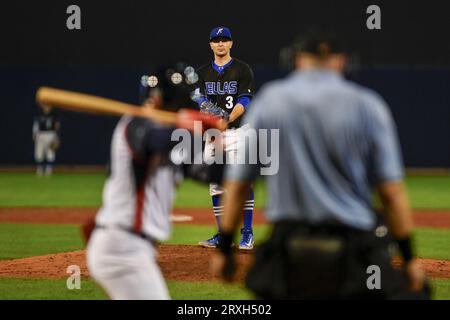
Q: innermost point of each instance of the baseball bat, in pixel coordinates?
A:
(81, 102)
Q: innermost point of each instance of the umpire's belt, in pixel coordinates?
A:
(142, 235)
(328, 236)
(289, 229)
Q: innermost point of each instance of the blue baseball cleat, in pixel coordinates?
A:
(210, 243)
(246, 240)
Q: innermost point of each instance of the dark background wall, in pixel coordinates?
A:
(407, 61)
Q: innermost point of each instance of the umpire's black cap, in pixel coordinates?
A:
(319, 42)
(175, 84)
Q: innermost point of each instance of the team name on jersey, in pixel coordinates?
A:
(227, 87)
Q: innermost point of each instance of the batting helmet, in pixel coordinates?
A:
(174, 84)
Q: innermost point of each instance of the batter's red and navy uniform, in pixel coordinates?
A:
(137, 202)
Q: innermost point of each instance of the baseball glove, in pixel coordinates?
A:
(55, 143)
(214, 109)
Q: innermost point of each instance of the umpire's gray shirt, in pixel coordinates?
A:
(337, 141)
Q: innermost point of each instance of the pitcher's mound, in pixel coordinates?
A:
(178, 262)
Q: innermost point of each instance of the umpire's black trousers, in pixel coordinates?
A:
(329, 261)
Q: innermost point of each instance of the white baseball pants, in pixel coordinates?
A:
(125, 266)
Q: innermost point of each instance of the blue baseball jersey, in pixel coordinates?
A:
(337, 140)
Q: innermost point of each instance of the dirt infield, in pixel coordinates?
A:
(423, 218)
(178, 262)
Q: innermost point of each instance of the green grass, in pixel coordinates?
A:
(46, 289)
(431, 192)
(441, 289)
(27, 240)
(433, 243)
(43, 289)
(192, 194)
(184, 290)
(84, 190)
(59, 190)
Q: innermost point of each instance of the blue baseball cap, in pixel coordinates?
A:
(220, 32)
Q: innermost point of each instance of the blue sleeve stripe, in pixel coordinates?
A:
(245, 101)
(200, 101)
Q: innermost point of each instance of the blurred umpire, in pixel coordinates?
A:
(337, 144)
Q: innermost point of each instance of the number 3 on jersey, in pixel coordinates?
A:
(229, 104)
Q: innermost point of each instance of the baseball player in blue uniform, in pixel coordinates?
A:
(337, 144)
(138, 194)
(225, 89)
(46, 141)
